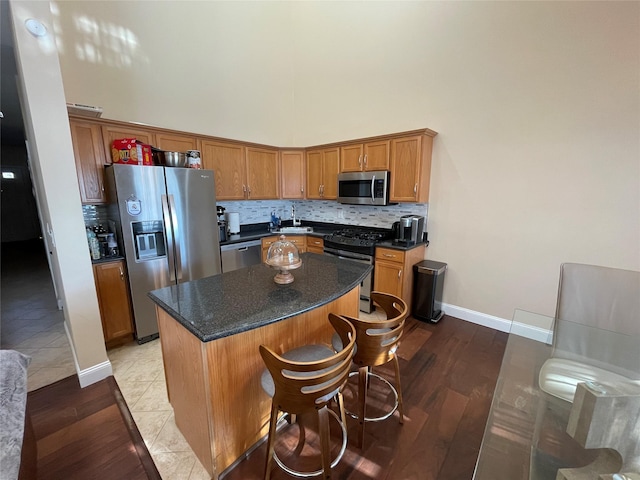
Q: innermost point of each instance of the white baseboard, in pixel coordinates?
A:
(522, 329)
(94, 374)
(90, 375)
(478, 318)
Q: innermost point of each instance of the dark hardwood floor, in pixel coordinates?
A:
(87, 433)
(448, 371)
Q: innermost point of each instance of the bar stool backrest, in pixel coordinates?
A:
(377, 340)
(304, 386)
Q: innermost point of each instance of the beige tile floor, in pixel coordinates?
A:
(139, 373)
(31, 323)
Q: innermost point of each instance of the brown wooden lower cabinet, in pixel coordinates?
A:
(394, 271)
(300, 241)
(114, 300)
(315, 245)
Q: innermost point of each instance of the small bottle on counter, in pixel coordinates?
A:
(94, 245)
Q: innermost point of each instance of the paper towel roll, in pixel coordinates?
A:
(233, 222)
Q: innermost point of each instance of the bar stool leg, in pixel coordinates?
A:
(323, 421)
(271, 441)
(340, 402)
(399, 388)
(363, 387)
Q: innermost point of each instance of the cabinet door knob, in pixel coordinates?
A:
(365, 159)
(388, 255)
(399, 273)
(359, 160)
(415, 189)
(121, 274)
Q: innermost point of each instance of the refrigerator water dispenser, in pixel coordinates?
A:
(149, 239)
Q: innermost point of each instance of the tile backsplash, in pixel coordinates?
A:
(95, 215)
(328, 211)
(258, 211)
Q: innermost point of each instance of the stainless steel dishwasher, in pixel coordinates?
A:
(240, 255)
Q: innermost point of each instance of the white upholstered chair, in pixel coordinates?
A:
(596, 331)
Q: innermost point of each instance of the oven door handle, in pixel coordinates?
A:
(351, 258)
(373, 181)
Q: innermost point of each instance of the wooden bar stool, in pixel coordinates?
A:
(376, 344)
(306, 379)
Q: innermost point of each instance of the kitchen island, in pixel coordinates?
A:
(210, 330)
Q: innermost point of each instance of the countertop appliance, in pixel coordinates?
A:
(409, 230)
(222, 223)
(165, 224)
(364, 188)
(240, 255)
(357, 244)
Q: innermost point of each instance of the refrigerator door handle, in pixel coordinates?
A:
(176, 237)
(169, 232)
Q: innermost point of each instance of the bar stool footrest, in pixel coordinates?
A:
(385, 415)
(316, 473)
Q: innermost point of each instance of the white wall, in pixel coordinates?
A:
(536, 104)
(55, 181)
(201, 67)
(537, 108)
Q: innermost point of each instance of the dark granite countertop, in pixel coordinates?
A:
(115, 258)
(257, 231)
(390, 244)
(241, 300)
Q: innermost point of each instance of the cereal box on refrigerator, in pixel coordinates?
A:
(131, 152)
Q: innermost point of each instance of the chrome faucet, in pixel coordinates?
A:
(296, 223)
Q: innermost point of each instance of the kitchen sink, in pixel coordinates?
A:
(295, 229)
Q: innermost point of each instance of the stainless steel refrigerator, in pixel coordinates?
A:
(166, 223)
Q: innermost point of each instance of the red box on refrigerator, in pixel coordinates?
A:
(131, 152)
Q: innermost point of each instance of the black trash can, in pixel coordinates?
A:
(428, 284)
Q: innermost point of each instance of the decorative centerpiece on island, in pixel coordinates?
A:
(283, 256)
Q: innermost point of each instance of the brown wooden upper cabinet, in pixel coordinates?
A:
(263, 174)
(364, 157)
(292, 174)
(241, 173)
(322, 173)
(410, 168)
(113, 132)
(175, 143)
(251, 172)
(89, 153)
(227, 160)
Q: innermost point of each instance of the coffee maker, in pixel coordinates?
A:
(409, 230)
(222, 223)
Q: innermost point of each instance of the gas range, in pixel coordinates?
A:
(357, 244)
(361, 240)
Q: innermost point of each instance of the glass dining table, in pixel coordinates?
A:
(538, 429)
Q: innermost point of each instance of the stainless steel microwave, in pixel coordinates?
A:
(364, 188)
